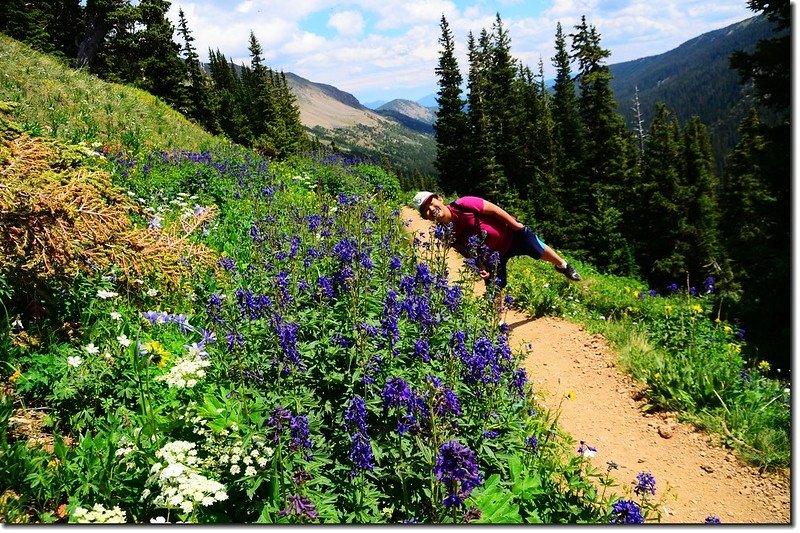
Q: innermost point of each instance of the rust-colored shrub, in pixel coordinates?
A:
(61, 215)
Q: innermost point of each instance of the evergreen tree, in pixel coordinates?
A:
(568, 138)
(768, 65)
(608, 148)
(100, 18)
(259, 88)
(451, 120)
(486, 175)
(757, 193)
(757, 238)
(199, 104)
(540, 192)
(702, 209)
(661, 215)
(478, 152)
(50, 27)
(502, 111)
(292, 136)
(227, 95)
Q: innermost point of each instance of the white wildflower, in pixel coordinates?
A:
(158, 520)
(180, 484)
(106, 295)
(185, 372)
(98, 514)
(124, 340)
(250, 471)
(74, 360)
(235, 469)
(92, 349)
(152, 292)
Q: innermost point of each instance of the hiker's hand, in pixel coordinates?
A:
(484, 274)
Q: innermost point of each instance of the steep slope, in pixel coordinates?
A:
(411, 114)
(328, 107)
(335, 116)
(694, 79)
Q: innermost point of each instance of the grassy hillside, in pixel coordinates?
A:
(52, 99)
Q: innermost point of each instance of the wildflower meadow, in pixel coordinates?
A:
(265, 342)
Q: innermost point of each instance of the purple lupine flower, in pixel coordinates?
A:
(422, 349)
(533, 443)
(457, 468)
(277, 419)
(299, 506)
(361, 453)
(325, 287)
(712, 520)
(491, 434)
(518, 381)
(396, 393)
(395, 264)
(234, 339)
(227, 263)
(287, 338)
(355, 416)
(709, 284)
(645, 484)
(626, 512)
(693, 291)
(673, 288)
(298, 429)
(452, 298)
(653, 293)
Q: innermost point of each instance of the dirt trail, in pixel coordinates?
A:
(575, 372)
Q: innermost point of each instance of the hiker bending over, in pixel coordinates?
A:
(500, 232)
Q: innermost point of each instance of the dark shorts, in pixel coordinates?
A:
(523, 242)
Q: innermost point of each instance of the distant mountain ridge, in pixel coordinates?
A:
(694, 79)
(410, 114)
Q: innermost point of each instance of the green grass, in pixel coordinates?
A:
(74, 106)
(690, 361)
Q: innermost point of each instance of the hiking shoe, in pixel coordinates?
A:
(570, 272)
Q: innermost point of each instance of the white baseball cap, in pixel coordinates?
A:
(422, 198)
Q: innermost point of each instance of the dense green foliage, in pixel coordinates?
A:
(644, 203)
(322, 370)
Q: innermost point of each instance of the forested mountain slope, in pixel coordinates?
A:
(694, 79)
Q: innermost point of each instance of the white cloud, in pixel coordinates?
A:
(347, 23)
(400, 49)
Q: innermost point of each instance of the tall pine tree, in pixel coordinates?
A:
(451, 120)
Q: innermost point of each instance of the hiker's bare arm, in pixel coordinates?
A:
(501, 214)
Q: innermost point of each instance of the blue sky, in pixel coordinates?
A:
(386, 49)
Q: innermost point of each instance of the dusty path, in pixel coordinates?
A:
(574, 371)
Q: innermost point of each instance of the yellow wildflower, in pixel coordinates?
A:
(764, 366)
(727, 329)
(161, 355)
(668, 308)
(657, 376)
(735, 348)
(571, 394)
(697, 309)
(15, 376)
(627, 290)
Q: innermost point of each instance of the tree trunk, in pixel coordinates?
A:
(96, 32)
